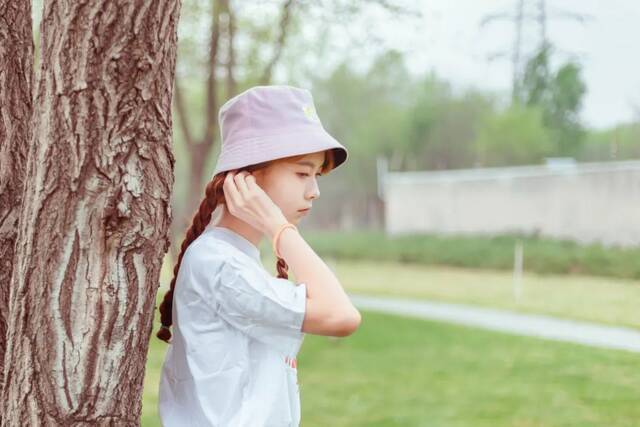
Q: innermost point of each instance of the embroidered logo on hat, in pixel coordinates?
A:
(310, 112)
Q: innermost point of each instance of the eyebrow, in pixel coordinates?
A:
(307, 163)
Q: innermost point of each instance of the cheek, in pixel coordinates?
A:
(282, 194)
(283, 189)
(276, 190)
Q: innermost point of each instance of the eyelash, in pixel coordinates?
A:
(306, 174)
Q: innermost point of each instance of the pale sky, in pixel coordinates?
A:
(452, 43)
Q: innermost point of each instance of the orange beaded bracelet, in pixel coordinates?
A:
(277, 236)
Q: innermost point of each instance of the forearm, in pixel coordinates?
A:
(322, 284)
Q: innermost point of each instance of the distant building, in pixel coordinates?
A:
(584, 202)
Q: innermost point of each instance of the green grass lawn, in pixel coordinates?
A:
(397, 371)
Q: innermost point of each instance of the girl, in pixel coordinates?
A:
(237, 329)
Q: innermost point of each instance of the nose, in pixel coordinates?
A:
(314, 193)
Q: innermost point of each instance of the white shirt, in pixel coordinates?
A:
(235, 337)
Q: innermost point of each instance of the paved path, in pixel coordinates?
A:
(540, 326)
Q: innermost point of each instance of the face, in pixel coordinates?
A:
(292, 183)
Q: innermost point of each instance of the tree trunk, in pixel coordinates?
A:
(16, 83)
(95, 215)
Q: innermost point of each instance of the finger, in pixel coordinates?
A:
(230, 190)
(242, 184)
(251, 182)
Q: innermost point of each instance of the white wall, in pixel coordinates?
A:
(586, 202)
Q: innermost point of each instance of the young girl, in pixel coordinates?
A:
(236, 328)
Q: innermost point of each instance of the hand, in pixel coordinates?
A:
(247, 201)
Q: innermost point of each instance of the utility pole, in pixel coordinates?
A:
(517, 46)
(521, 16)
(542, 21)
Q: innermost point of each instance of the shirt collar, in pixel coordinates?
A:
(236, 240)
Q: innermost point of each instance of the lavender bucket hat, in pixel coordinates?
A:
(271, 122)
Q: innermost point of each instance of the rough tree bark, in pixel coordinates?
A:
(16, 83)
(95, 215)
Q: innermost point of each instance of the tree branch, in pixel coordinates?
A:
(181, 109)
(231, 29)
(284, 24)
(211, 121)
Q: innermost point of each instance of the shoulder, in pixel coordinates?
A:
(207, 251)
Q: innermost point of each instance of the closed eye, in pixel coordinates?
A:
(306, 174)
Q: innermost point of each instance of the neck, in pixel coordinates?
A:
(242, 228)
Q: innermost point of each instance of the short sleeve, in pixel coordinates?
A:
(269, 309)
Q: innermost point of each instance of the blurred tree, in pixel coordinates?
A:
(419, 124)
(621, 142)
(536, 84)
(560, 96)
(444, 125)
(368, 110)
(220, 66)
(95, 210)
(245, 44)
(516, 136)
(562, 115)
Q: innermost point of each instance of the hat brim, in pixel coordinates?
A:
(271, 147)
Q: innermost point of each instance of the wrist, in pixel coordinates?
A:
(278, 236)
(274, 225)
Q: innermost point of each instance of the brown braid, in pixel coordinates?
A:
(214, 195)
(282, 268)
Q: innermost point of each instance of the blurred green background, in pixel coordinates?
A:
(399, 371)
(359, 60)
(433, 86)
